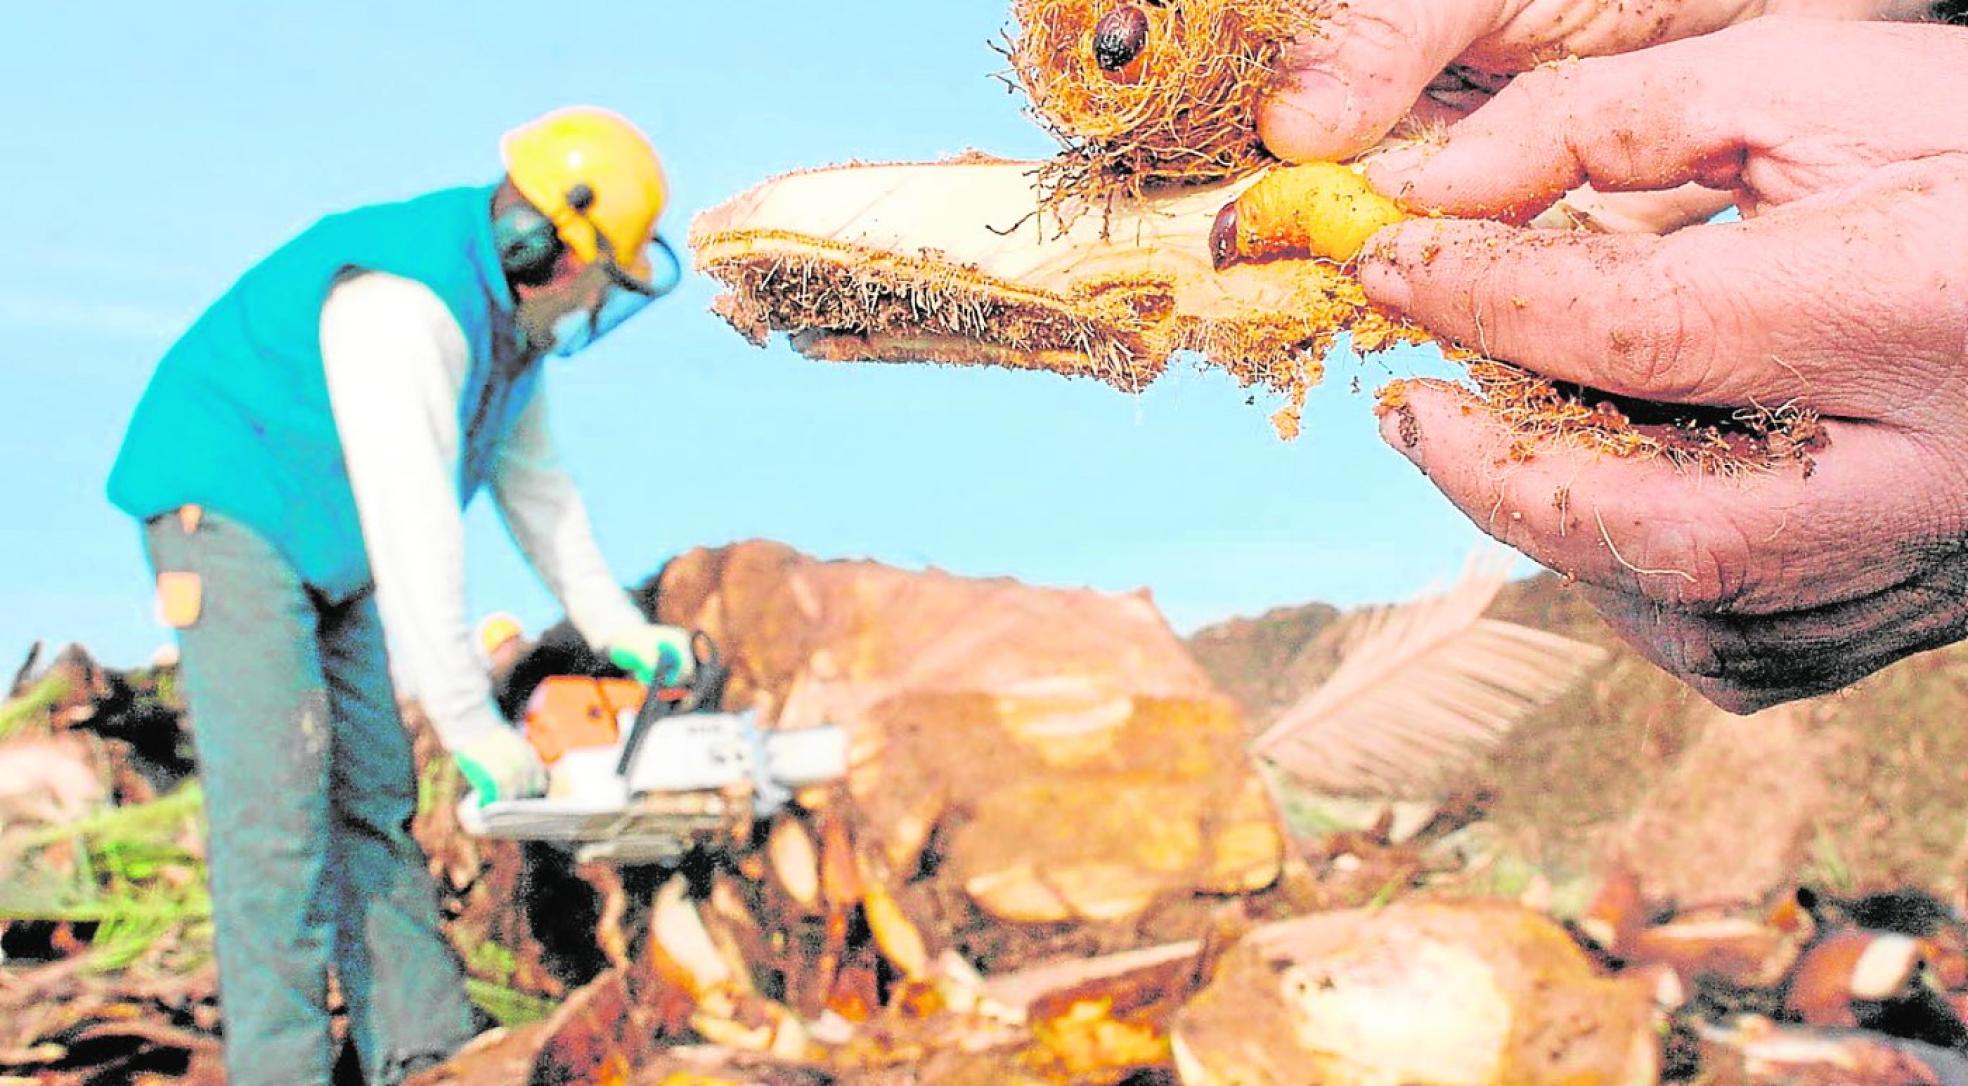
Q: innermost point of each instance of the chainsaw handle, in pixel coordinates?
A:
(704, 690)
(706, 686)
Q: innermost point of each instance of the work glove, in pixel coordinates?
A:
(500, 764)
(656, 655)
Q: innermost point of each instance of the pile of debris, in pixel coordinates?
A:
(1052, 860)
(64, 1023)
(105, 970)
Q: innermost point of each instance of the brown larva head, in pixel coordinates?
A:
(1149, 91)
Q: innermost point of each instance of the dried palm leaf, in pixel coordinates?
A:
(1421, 687)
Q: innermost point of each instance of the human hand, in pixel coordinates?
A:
(1846, 290)
(653, 653)
(499, 764)
(1374, 61)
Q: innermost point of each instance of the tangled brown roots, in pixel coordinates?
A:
(1148, 91)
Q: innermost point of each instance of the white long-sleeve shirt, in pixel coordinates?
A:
(396, 364)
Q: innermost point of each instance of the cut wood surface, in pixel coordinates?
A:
(962, 261)
(1031, 768)
(1018, 991)
(1481, 994)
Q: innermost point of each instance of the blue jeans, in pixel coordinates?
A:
(309, 788)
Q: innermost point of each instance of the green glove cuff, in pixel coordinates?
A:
(668, 665)
(630, 662)
(483, 785)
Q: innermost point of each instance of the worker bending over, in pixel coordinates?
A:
(300, 463)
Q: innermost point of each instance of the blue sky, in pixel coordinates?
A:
(153, 151)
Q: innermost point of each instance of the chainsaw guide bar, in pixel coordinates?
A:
(654, 829)
(699, 778)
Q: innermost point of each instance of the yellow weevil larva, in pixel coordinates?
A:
(1320, 209)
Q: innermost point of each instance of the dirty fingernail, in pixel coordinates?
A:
(1399, 428)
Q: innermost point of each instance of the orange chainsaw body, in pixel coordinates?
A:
(572, 711)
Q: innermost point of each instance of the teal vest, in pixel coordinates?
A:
(237, 417)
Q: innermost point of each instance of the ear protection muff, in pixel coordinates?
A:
(527, 244)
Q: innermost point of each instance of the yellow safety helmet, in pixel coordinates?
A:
(497, 630)
(590, 171)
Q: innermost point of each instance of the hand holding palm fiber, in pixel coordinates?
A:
(1326, 211)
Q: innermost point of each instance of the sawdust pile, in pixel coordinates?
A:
(1147, 93)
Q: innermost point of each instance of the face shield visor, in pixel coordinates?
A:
(621, 293)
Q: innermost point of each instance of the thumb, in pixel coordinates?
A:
(1350, 79)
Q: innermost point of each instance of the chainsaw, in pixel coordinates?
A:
(644, 774)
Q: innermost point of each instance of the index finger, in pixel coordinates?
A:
(1803, 303)
(1779, 106)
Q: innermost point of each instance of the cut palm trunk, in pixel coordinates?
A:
(1036, 770)
(964, 261)
(1036, 773)
(1779, 1056)
(1424, 995)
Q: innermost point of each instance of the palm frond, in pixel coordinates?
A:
(131, 872)
(505, 1005)
(161, 819)
(1422, 687)
(30, 709)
